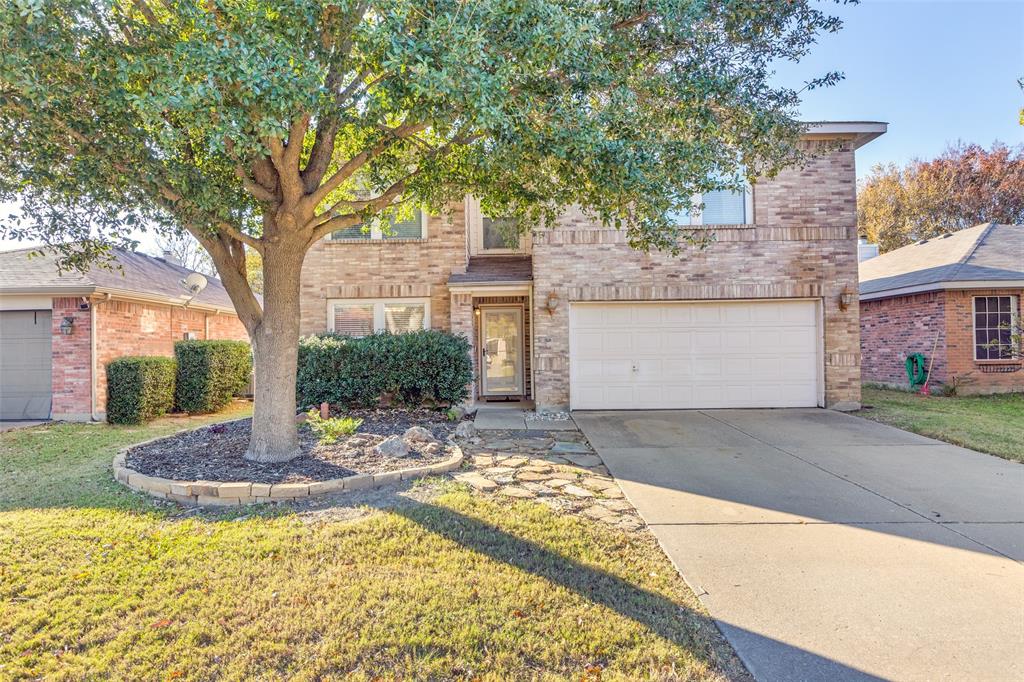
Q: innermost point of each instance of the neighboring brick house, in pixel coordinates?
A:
(58, 330)
(572, 317)
(955, 299)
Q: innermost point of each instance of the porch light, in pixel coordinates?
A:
(846, 298)
(551, 304)
(67, 326)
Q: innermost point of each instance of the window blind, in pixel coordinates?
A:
(353, 319)
(403, 317)
(724, 207)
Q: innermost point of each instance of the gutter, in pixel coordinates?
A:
(941, 286)
(122, 294)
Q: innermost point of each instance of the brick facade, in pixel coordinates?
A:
(794, 250)
(803, 245)
(71, 366)
(395, 268)
(892, 328)
(122, 328)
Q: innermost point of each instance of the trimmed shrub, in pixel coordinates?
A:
(210, 373)
(412, 368)
(139, 388)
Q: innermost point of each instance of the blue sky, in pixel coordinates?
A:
(937, 72)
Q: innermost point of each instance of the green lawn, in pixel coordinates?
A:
(97, 582)
(992, 423)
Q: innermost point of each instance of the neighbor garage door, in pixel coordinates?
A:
(694, 355)
(25, 364)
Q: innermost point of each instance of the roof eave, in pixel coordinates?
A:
(942, 286)
(860, 132)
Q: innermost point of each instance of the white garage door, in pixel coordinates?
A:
(694, 355)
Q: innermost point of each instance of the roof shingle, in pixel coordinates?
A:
(983, 253)
(137, 273)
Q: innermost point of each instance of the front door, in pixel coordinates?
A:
(501, 351)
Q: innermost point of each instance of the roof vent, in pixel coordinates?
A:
(169, 257)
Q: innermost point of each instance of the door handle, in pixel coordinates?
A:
(636, 368)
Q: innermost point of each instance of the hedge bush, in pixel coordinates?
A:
(411, 368)
(210, 373)
(139, 388)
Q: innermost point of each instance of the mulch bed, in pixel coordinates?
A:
(216, 452)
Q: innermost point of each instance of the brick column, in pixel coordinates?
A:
(462, 323)
(71, 375)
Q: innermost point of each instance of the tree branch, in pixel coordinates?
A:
(356, 162)
(387, 198)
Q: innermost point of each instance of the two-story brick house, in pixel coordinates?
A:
(572, 317)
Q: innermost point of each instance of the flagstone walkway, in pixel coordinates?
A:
(556, 468)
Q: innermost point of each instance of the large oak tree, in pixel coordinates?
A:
(267, 124)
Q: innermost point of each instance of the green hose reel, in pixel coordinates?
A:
(917, 371)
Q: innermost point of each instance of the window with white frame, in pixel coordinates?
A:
(996, 328)
(721, 207)
(361, 317)
(414, 226)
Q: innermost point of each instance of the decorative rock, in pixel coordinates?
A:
(236, 490)
(497, 444)
(530, 476)
(456, 413)
(576, 491)
(567, 447)
(418, 434)
(465, 430)
(540, 489)
(477, 481)
(556, 482)
(616, 505)
(482, 460)
(497, 471)
(513, 491)
(392, 446)
(433, 448)
(597, 512)
(614, 493)
(514, 461)
(597, 483)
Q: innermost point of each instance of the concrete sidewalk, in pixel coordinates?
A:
(830, 547)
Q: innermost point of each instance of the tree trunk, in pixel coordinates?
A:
(275, 353)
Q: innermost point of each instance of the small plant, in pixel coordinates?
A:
(331, 429)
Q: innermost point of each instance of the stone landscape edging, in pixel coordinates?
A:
(237, 493)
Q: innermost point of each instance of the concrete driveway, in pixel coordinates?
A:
(830, 547)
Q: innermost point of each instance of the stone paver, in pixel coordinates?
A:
(524, 467)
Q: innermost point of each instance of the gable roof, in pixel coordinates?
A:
(139, 276)
(976, 257)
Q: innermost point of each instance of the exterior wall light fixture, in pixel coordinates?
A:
(846, 298)
(67, 325)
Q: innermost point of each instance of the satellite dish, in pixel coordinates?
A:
(194, 283)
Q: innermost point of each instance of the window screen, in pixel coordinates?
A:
(353, 319)
(410, 228)
(724, 207)
(500, 233)
(403, 317)
(994, 327)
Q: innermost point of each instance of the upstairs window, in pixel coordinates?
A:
(362, 317)
(500, 234)
(995, 326)
(413, 227)
(721, 207)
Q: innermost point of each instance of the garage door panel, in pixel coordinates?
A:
(695, 355)
(25, 361)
